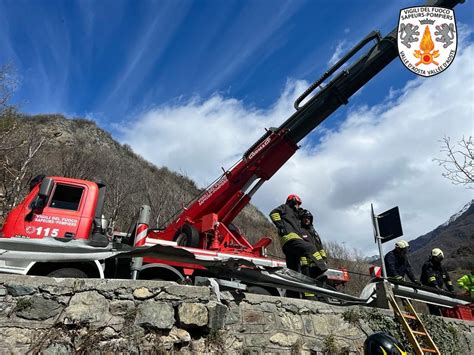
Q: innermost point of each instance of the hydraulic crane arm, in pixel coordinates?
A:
(227, 196)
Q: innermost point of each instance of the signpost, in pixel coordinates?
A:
(387, 226)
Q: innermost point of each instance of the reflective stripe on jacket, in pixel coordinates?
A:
(287, 222)
(290, 236)
(435, 275)
(312, 236)
(467, 283)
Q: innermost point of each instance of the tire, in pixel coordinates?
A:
(258, 290)
(187, 236)
(68, 272)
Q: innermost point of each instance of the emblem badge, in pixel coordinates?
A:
(427, 39)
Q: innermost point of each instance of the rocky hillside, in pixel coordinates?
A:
(455, 237)
(55, 145)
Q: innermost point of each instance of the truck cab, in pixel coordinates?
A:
(58, 207)
(60, 214)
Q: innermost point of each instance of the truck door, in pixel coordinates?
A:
(61, 216)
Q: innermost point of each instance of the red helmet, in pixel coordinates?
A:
(294, 199)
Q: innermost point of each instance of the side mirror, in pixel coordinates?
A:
(40, 201)
(46, 188)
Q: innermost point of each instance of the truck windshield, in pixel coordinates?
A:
(67, 197)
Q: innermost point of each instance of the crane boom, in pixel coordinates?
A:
(223, 200)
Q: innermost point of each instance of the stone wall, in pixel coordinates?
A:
(65, 316)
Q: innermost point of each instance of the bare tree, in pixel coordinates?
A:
(79, 162)
(458, 163)
(8, 84)
(19, 153)
(351, 259)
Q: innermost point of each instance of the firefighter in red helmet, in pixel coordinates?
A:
(286, 218)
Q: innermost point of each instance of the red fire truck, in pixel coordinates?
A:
(64, 216)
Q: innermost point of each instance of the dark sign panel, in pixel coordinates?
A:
(390, 226)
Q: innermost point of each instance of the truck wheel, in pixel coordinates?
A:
(187, 236)
(68, 272)
(258, 290)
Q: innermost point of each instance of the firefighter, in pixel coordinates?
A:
(308, 267)
(397, 263)
(433, 274)
(286, 219)
(466, 282)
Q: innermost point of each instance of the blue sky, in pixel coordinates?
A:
(153, 72)
(114, 59)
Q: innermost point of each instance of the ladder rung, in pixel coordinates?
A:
(428, 350)
(418, 333)
(409, 316)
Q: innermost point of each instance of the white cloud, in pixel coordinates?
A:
(338, 52)
(200, 136)
(381, 155)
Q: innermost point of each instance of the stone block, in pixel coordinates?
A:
(133, 332)
(268, 307)
(175, 336)
(190, 292)
(123, 294)
(293, 305)
(163, 296)
(251, 316)
(87, 308)
(58, 349)
(16, 290)
(258, 340)
(233, 314)
(217, 315)
(14, 338)
(155, 315)
(56, 290)
(38, 308)
(193, 314)
(270, 321)
(121, 308)
(257, 299)
(142, 293)
(108, 332)
(332, 325)
(285, 339)
(307, 324)
(290, 321)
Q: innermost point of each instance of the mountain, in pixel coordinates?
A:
(54, 145)
(455, 237)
